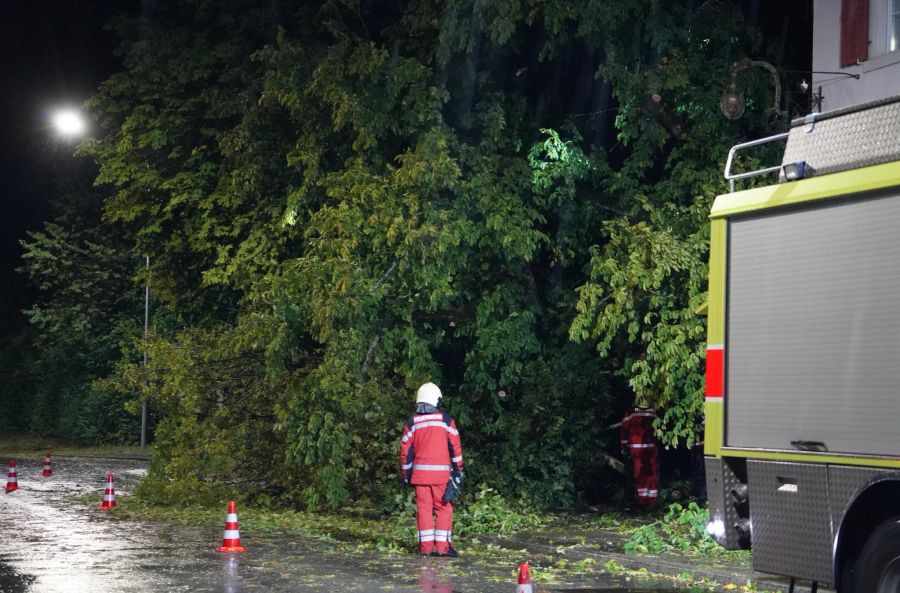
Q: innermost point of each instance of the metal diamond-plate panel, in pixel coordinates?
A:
(843, 484)
(791, 518)
(720, 481)
(867, 137)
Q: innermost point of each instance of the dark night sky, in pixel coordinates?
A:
(56, 52)
(52, 53)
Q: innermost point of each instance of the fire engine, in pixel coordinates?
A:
(802, 437)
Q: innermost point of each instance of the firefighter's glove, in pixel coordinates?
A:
(454, 486)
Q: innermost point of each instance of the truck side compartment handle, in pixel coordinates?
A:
(817, 446)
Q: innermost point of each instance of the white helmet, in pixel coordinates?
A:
(428, 393)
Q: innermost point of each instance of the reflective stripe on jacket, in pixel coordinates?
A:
(429, 448)
(636, 430)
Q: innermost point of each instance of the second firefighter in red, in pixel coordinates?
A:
(429, 449)
(637, 437)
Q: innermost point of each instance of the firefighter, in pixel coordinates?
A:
(638, 442)
(429, 449)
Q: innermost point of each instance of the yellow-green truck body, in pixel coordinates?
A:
(802, 438)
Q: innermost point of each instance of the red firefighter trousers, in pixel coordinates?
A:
(646, 474)
(434, 518)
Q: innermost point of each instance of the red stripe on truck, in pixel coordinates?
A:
(715, 371)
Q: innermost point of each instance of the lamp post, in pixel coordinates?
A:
(70, 124)
(146, 333)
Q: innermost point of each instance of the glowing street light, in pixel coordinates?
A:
(69, 122)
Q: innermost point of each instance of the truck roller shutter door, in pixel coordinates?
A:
(813, 335)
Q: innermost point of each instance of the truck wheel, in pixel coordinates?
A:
(878, 568)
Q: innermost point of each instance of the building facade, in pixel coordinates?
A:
(857, 37)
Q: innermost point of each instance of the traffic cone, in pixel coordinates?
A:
(524, 579)
(48, 466)
(12, 484)
(109, 495)
(231, 540)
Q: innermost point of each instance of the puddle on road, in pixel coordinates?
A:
(231, 578)
(432, 578)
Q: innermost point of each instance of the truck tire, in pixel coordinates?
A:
(878, 568)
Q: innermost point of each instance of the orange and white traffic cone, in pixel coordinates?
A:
(48, 466)
(231, 540)
(109, 495)
(12, 483)
(524, 579)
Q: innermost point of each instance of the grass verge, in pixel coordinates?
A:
(29, 446)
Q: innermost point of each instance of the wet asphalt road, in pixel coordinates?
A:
(51, 542)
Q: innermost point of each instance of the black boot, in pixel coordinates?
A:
(451, 553)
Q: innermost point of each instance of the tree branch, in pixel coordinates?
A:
(367, 362)
(385, 276)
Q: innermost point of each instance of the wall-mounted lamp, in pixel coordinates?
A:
(732, 103)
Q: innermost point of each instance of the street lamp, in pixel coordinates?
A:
(69, 123)
(146, 334)
(732, 102)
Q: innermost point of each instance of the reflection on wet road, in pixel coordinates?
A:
(52, 543)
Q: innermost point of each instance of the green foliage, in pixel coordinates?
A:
(681, 529)
(342, 200)
(16, 363)
(217, 436)
(687, 527)
(490, 512)
(648, 277)
(89, 307)
(646, 540)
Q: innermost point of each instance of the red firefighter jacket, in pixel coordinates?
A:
(430, 448)
(636, 431)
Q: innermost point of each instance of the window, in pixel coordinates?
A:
(895, 25)
(855, 31)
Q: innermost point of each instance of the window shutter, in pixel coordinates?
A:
(854, 31)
